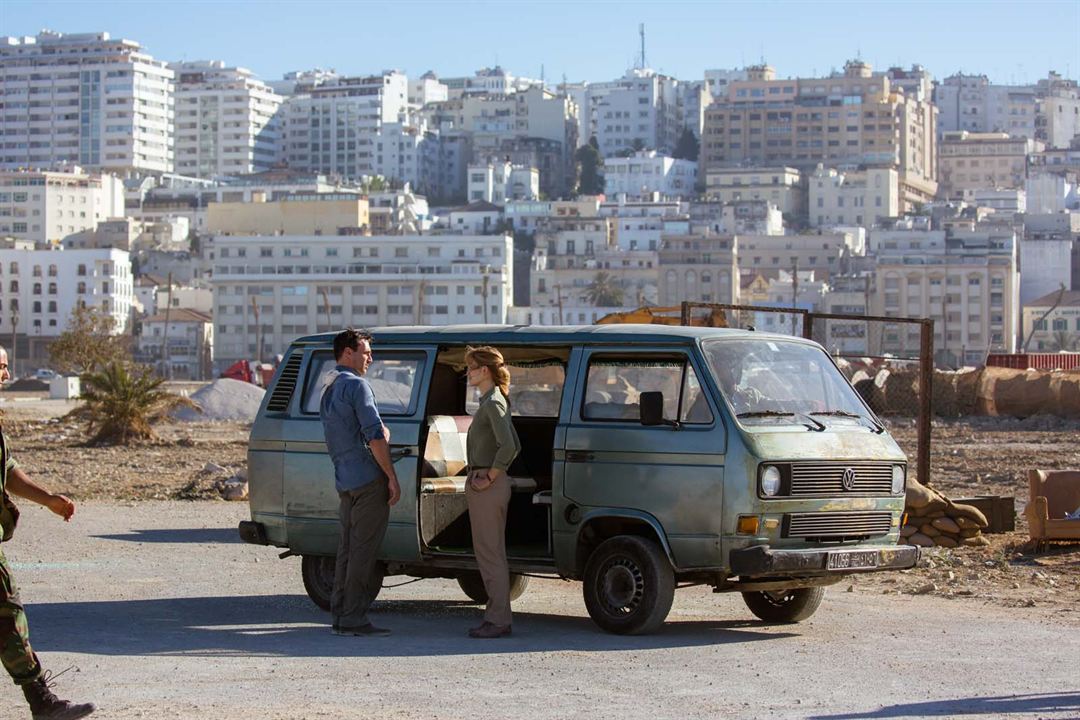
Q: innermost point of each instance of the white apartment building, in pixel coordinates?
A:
(647, 173)
(331, 124)
(1060, 329)
(972, 103)
(824, 253)
(488, 81)
(226, 120)
(40, 288)
(530, 215)
(641, 110)
(1003, 201)
(45, 207)
(717, 81)
(698, 268)
(1051, 193)
(970, 287)
(319, 283)
(427, 89)
(405, 154)
(781, 186)
(558, 279)
(977, 161)
(179, 345)
(852, 197)
(502, 182)
(84, 99)
(566, 315)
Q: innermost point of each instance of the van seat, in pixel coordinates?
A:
(451, 485)
(444, 453)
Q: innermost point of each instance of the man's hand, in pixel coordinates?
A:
(386, 433)
(62, 506)
(395, 491)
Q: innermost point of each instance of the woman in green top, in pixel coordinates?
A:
(492, 444)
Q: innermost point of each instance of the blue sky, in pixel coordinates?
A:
(1016, 41)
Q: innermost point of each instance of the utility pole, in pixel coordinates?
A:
(794, 292)
(166, 355)
(487, 280)
(558, 300)
(258, 329)
(14, 324)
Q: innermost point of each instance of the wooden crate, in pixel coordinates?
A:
(1000, 511)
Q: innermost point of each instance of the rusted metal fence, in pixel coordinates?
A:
(888, 360)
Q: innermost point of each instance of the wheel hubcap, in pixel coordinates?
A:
(622, 587)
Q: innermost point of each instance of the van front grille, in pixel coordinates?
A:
(286, 383)
(833, 525)
(818, 479)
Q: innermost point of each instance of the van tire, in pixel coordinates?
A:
(788, 606)
(629, 585)
(318, 574)
(473, 585)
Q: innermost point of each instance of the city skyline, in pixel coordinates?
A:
(602, 41)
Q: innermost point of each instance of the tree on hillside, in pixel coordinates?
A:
(589, 161)
(89, 343)
(688, 147)
(604, 291)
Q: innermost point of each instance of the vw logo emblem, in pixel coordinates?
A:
(848, 479)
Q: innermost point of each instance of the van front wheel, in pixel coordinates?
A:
(473, 585)
(786, 606)
(629, 585)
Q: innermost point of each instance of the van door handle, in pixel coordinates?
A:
(579, 456)
(397, 453)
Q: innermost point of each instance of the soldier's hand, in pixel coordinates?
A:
(395, 491)
(62, 506)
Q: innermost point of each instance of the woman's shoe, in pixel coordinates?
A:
(489, 630)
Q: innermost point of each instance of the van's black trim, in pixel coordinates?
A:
(286, 383)
(763, 561)
(253, 532)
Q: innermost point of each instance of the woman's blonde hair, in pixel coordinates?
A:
(492, 359)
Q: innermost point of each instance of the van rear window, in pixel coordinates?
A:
(393, 380)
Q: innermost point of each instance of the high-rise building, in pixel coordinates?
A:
(331, 123)
(857, 117)
(641, 110)
(45, 207)
(84, 99)
(226, 120)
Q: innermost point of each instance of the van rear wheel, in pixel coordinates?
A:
(629, 585)
(786, 606)
(473, 585)
(318, 574)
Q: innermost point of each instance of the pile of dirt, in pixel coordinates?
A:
(934, 520)
(224, 399)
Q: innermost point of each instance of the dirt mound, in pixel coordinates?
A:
(224, 399)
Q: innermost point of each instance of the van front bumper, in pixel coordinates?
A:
(763, 561)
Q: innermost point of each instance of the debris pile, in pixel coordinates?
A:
(215, 481)
(224, 399)
(936, 521)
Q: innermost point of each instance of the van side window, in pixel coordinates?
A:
(614, 385)
(535, 389)
(392, 377)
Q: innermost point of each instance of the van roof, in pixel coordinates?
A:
(546, 334)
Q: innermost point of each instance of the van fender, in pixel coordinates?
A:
(598, 524)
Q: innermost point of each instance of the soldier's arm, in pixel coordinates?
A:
(19, 484)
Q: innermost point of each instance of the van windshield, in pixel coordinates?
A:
(773, 381)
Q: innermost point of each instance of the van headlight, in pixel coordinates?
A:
(897, 479)
(770, 480)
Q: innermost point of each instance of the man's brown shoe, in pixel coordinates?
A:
(489, 630)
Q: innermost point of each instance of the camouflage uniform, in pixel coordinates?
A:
(16, 655)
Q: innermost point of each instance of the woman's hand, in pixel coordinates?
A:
(495, 474)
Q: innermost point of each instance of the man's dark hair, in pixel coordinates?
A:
(349, 339)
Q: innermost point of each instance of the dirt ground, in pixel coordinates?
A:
(971, 457)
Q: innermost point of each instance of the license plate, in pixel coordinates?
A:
(852, 560)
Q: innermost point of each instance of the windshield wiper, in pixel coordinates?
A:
(811, 423)
(877, 427)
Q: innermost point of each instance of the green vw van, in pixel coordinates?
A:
(653, 457)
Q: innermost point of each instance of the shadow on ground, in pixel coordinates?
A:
(289, 626)
(995, 705)
(179, 535)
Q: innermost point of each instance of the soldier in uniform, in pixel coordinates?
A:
(16, 655)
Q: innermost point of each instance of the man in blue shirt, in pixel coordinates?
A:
(359, 445)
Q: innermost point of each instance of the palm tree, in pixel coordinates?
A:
(121, 402)
(604, 291)
(1063, 341)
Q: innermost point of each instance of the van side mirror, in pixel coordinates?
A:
(651, 406)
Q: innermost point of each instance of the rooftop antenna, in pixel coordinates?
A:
(641, 29)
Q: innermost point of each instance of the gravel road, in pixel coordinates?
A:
(167, 615)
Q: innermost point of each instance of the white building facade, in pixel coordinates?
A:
(87, 100)
(45, 207)
(646, 173)
(318, 283)
(852, 197)
(227, 120)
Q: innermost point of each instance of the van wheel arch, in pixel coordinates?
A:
(596, 530)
